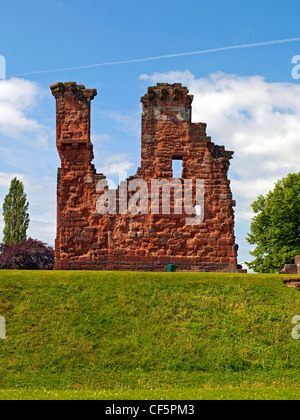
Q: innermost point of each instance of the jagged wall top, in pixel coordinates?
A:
(166, 94)
(167, 102)
(71, 87)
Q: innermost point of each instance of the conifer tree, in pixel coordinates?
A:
(15, 213)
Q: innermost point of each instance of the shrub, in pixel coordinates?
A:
(29, 255)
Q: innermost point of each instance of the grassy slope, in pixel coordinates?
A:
(83, 331)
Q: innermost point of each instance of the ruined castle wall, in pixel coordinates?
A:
(91, 241)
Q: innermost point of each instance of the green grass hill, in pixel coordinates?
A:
(148, 335)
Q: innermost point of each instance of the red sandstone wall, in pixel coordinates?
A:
(87, 240)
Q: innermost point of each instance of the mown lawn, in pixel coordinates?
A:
(161, 394)
(107, 335)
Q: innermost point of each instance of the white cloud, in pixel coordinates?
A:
(100, 138)
(26, 154)
(260, 121)
(59, 4)
(18, 98)
(128, 122)
(117, 163)
(5, 179)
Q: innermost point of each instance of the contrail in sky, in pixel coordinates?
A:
(162, 57)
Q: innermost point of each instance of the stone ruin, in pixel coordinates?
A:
(291, 268)
(87, 240)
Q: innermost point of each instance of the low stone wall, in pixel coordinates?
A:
(291, 268)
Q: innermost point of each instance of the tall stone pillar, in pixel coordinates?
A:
(75, 183)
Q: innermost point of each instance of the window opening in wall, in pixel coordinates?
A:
(177, 168)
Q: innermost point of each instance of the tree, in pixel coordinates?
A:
(275, 229)
(29, 255)
(16, 218)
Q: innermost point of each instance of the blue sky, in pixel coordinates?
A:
(247, 96)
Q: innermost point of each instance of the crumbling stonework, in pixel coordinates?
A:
(291, 268)
(149, 242)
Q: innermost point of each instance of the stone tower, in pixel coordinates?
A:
(145, 240)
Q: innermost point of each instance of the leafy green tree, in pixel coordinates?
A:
(16, 217)
(275, 228)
